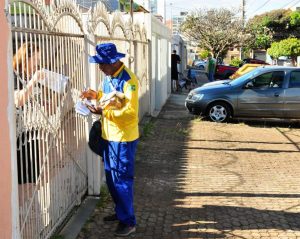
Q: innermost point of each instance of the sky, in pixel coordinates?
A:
(253, 7)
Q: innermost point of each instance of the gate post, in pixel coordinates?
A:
(94, 167)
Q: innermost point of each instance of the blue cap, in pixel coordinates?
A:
(106, 54)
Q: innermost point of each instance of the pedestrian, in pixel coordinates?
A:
(119, 132)
(211, 68)
(175, 59)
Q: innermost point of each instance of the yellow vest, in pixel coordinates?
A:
(121, 125)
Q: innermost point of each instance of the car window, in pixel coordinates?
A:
(277, 79)
(295, 79)
(269, 80)
(243, 78)
(262, 81)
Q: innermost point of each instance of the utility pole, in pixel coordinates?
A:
(243, 11)
(243, 22)
(131, 9)
(171, 18)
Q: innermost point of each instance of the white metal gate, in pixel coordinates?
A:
(48, 42)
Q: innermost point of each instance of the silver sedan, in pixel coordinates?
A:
(266, 92)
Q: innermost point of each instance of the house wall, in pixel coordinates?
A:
(7, 194)
(159, 59)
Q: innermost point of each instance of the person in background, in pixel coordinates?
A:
(119, 132)
(175, 59)
(211, 68)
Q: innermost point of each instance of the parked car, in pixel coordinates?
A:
(254, 61)
(224, 71)
(199, 64)
(244, 69)
(265, 92)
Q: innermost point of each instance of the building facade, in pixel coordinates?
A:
(176, 22)
(111, 5)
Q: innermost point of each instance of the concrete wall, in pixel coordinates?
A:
(181, 49)
(159, 36)
(8, 188)
(161, 64)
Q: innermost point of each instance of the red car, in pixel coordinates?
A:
(254, 61)
(224, 71)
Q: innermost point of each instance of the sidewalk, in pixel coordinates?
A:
(197, 179)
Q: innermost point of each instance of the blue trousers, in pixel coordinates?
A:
(118, 160)
(211, 76)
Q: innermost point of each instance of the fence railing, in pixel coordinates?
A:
(51, 42)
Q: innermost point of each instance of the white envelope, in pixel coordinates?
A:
(55, 81)
(81, 108)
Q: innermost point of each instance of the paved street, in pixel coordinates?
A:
(197, 179)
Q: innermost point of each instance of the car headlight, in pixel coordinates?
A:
(197, 97)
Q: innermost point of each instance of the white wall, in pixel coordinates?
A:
(179, 45)
(159, 36)
(161, 60)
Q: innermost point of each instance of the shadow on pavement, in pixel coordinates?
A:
(164, 196)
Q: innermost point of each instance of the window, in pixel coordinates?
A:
(262, 81)
(269, 80)
(295, 80)
(277, 79)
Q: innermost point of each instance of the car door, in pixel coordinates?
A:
(262, 96)
(292, 96)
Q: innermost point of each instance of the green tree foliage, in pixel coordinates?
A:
(289, 47)
(236, 62)
(276, 19)
(272, 26)
(275, 50)
(215, 30)
(295, 18)
(204, 54)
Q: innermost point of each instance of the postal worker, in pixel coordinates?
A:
(118, 106)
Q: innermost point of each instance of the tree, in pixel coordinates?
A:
(236, 62)
(204, 54)
(289, 47)
(272, 26)
(275, 50)
(295, 18)
(260, 37)
(215, 30)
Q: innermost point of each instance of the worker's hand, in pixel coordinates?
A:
(95, 109)
(89, 94)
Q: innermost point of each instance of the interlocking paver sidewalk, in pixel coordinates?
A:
(197, 179)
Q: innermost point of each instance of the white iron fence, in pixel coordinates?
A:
(50, 41)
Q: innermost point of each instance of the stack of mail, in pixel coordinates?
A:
(81, 108)
(112, 100)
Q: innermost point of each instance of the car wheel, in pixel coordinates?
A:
(219, 112)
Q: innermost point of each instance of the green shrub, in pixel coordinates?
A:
(236, 62)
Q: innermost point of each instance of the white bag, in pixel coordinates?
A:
(54, 81)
